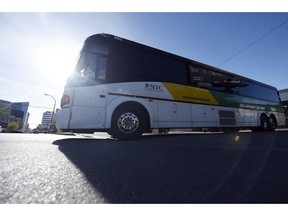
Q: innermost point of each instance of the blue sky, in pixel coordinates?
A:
(38, 50)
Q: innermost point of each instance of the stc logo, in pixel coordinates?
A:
(154, 87)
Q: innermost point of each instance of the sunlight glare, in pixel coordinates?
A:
(57, 61)
(237, 138)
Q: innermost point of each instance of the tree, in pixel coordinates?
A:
(12, 126)
(38, 128)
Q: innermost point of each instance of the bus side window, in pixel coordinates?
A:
(102, 68)
(171, 70)
(194, 76)
(89, 67)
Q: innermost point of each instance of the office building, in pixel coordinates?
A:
(46, 119)
(284, 99)
(14, 112)
(284, 96)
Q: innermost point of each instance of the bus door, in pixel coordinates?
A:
(88, 109)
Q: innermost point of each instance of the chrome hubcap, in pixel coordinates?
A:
(128, 122)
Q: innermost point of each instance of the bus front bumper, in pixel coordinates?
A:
(62, 118)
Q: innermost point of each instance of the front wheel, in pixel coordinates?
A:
(128, 123)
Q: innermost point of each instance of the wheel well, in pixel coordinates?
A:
(271, 116)
(139, 106)
(263, 114)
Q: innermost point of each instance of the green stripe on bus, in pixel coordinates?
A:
(238, 101)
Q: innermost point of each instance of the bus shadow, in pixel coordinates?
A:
(187, 168)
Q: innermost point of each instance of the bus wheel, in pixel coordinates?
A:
(127, 123)
(272, 123)
(265, 123)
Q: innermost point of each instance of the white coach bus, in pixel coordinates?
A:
(126, 88)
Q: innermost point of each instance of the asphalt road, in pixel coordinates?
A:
(175, 168)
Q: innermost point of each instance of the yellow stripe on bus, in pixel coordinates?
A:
(190, 94)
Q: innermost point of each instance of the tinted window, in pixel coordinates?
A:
(127, 63)
(171, 70)
(98, 48)
(102, 67)
(94, 66)
(259, 91)
(91, 66)
(268, 94)
(248, 89)
(211, 79)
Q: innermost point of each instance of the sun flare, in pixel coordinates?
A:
(57, 62)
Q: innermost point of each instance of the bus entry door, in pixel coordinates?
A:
(88, 110)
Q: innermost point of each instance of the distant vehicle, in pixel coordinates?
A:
(126, 88)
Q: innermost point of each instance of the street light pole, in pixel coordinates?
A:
(49, 129)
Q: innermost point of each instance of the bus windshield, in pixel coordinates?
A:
(91, 67)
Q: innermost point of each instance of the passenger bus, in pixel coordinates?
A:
(126, 89)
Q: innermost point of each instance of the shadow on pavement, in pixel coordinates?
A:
(194, 168)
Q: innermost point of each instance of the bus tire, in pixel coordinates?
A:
(272, 123)
(264, 122)
(128, 123)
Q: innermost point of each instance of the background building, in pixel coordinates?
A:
(284, 98)
(16, 112)
(46, 120)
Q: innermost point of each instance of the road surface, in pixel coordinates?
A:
(175, 168)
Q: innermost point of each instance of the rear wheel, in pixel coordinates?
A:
(272, 123)
(128, 123)
(267, 124)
